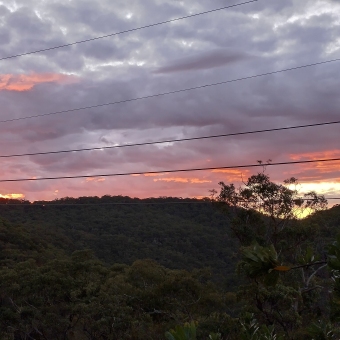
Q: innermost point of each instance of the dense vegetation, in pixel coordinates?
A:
(178, 236)
(89, 269)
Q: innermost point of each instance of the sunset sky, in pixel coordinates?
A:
(259, 37)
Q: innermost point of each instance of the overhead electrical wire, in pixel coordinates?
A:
(172, 171)
(171, 140)
(171, 92)
(125, 31)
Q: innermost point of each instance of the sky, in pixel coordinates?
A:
(241, 41)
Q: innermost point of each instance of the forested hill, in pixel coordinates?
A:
(181, 236)
(328, 221)
(52, 287)
(178, 236)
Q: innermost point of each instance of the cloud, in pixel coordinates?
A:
(13, 196)
(321, 168)
(203, 61)
(232, 175)
(22, 82)
(182, 180)
(323, 188)
(335, 153)
(211, 48)
(172, 179)
(94, 179)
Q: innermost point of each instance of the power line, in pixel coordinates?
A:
(171, 171)
(125, 31)
(171, 92)
(170, 140)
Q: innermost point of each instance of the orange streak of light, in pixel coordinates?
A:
(13, 196)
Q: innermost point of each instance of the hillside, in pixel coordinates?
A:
(53, 284)
(47, 294)
(178, 236)
(328, 220)
(181, 236)
(64, 292)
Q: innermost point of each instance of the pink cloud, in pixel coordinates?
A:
(172, 179)
(25, 82)
(318, 171)
(232, 175)
(182, 180)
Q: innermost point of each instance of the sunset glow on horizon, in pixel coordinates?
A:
(13, 196)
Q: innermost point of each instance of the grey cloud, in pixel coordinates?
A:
(93, 16)
(209, 60)
(4, 37)
(27, 23)
(4, 10)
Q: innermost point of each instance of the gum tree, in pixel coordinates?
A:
(278, 250)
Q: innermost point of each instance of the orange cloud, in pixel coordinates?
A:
(182, 180)
(172, 179)
(13, 196)
(233, 174)
(94, 179)
(199, 181)
(152, 175)
(23, 82)
(319, 167)
(149, 175)
(316, 155)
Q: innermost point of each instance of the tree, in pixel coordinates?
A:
(265, 218)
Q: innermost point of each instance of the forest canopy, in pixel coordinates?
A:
(239, 265)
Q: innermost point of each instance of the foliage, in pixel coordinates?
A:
(279, 255)
(178, 236)
(79, 297)
(322, 331)
(267, 212)
(251, 330)
(186, 332)
(260, 263)
(334, 265)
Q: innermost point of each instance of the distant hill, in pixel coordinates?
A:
(178, 236)
(181, 236)
(329, 220)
